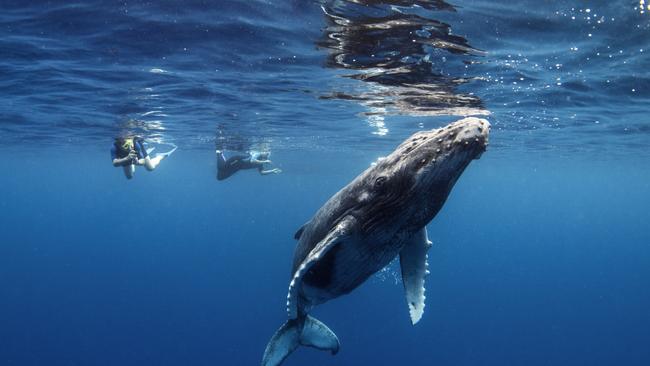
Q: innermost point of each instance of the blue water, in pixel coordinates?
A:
(540, 254)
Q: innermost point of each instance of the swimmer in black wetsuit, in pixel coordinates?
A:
(128, 152)
(252, 160)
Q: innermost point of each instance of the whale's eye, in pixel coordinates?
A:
(380, 181)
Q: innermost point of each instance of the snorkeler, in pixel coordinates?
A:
(251, 160)
(128, 152)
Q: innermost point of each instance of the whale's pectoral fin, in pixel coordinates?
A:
(302, 329)
(336, 235)
(413, 260)
(305, 331)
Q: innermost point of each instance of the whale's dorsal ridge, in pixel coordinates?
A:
(298, 233)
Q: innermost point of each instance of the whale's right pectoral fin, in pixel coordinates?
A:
(413, 260)
(307, 331)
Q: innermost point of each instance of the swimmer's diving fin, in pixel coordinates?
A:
(170, 151)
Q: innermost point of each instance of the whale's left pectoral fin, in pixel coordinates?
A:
(413, 260)
(341, 231)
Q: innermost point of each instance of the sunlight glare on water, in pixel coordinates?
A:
(390, 67)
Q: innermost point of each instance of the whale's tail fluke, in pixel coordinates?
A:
(307, 331)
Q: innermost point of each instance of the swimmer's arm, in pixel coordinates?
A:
(255, 161)
(128, 160)
(270, 171)
(121, 162)
(116, 162)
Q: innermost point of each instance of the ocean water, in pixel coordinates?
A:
(541, 254)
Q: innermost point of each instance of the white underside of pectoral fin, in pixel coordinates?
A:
(413, 260)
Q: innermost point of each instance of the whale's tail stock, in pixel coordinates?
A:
(303, 331)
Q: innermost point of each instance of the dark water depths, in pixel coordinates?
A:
(540, 255)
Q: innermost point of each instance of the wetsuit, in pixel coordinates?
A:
(122, 147)
(226, 168)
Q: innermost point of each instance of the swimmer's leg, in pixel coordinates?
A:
(226, 168)
(221, 159)
(129, 171)
(270, 171)
(152, 163)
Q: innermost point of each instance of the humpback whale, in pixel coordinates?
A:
(382, 213)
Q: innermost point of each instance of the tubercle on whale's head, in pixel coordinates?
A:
(444, 153)
(438, 157)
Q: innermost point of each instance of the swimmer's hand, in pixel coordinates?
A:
(276, 171)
